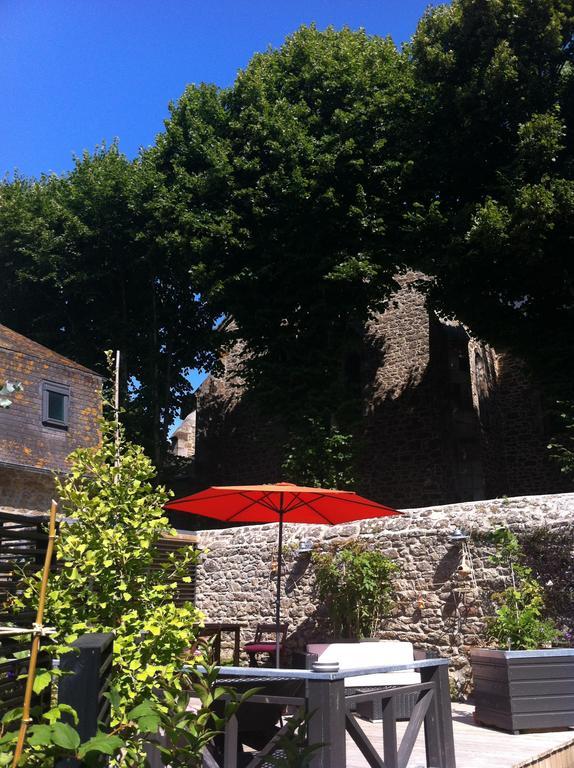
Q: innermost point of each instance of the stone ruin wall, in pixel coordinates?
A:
(405, 438)
(419, 442)
(236, 582)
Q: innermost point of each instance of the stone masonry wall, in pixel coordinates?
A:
(236, 443)
(23, 490)
(405, 444)
(445, 418)
(236, 581)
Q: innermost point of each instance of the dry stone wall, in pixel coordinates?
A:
(236, 581)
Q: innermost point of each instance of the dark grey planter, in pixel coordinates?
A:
(519, 690)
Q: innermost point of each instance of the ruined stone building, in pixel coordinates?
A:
(445, 418)
(183, 438)
(57, 411)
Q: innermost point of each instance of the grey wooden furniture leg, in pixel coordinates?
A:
(439, 740)
(326, 707)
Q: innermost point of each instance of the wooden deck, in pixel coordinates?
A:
(480, 747)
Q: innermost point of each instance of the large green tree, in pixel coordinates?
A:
(298, 167)
(290, 200)
(492, 141)
(94, 262)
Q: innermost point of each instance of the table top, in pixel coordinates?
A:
(271, 674)
(224, 625)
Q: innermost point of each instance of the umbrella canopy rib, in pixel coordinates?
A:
(201, 498)
(312, 508)
(252, 502)
(297, 502)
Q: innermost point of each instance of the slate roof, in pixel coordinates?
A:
(15, 342)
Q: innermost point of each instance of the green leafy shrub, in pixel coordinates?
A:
(105, 583)
(178, 732)
(549, 551)
(519, 620)
(355, 584)
(562, 447)
(292, 749)
(319, 456)
(53, 740)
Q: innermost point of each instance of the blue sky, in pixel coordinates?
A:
(75, 73)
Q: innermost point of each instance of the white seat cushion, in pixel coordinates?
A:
(353, 655)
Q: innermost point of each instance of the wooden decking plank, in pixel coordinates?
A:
(475, 746)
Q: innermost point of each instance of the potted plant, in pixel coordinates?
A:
(524, 682)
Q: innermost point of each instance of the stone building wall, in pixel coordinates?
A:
(236, 444)
(236, 581)
(25, 491)
(31, 449)
(420, 438)
(445, 418)
(519, 429)
(25, 440)
(183, 438)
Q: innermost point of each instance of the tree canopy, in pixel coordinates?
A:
(93, 262)
(493, 142)
(290, 200)
(303, 229)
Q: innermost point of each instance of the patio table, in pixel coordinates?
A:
(323, 694)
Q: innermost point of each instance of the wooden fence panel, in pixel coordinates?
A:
(23, 542)
(168, 544)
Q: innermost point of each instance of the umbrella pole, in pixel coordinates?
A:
(278, 596)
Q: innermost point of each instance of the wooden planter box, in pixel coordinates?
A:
(518, 690)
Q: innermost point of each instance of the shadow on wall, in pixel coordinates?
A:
(236, 444)
(447, 566)
(407, 451)
(516, 431)
(316, 625)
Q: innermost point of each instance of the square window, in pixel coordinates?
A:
(55, 405)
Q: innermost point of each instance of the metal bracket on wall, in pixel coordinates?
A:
(464, 586)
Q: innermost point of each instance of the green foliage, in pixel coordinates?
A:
(95, 252)
(492, 217)
(292, 749)
(290, 200)
(105, 582)
(54, 740)
(519, 621)
(188, 732)
(298, 170)
(355, 583)
(320, 457)
(178, 732)
(548, 551)
(562, 446)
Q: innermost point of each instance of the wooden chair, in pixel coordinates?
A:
(265, 642)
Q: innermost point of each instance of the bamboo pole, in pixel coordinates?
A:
(117, 415)
(38, 631)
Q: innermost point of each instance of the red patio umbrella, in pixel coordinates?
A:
(281, 502)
